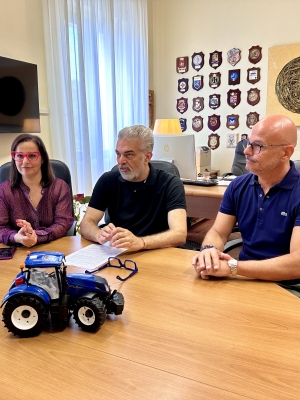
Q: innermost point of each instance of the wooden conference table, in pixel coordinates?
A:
(203, 202)
(179, 337)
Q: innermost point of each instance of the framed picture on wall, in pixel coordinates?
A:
(231, 139)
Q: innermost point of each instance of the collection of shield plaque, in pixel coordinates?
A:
(214, 81)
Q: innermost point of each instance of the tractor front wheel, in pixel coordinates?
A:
(24, 315)
(89, 314)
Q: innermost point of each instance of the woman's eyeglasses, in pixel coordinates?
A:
(19, 156)
(31, 156)
(117, 263)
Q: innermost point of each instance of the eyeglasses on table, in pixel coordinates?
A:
(115, 262)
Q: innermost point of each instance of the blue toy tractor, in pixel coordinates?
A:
(45, 288)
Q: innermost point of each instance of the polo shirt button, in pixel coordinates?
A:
(261, 208)
(260, 195)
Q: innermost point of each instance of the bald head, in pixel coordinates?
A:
(276, 129)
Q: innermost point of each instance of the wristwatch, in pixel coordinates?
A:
(232, 264)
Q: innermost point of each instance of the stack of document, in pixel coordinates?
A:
(92, 256)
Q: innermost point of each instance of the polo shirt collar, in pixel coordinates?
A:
(149, 181)
(288, 182)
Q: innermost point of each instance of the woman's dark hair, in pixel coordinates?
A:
(46, 169)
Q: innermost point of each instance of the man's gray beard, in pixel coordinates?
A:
(128, 176)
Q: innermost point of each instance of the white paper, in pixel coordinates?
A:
(92, 256)
(223, 183)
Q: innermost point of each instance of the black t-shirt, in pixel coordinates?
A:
(141, 207)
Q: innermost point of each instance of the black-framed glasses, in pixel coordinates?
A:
(31, 155)
(256, 147)
(117, 263)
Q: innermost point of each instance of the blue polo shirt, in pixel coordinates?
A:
(266, 221)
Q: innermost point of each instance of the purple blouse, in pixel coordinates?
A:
(51, 219)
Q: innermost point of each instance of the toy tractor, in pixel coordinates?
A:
(45, 288)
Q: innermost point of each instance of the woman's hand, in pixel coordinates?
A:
(26, 235)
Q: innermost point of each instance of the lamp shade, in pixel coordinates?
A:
(167, 126)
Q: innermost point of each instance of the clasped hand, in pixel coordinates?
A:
(211, 262)
(26, 235)
(119, 238)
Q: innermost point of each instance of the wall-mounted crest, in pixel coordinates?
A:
(182, 65)
(182, 105)
(198, 60)
(197, 123)
(255, 54)
(215, 59)
(233, 56)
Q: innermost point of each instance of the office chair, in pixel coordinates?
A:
(239, 161)
(297, 164)
(61, 171)
(166, 166)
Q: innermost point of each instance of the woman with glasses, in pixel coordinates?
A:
(35, 206)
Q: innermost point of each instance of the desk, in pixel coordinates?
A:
(179, 337)
(203, 202)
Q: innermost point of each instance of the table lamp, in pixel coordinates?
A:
(167, 126)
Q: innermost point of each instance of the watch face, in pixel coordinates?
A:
(233, 266)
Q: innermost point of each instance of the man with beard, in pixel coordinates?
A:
(266, 205)
(146, 206)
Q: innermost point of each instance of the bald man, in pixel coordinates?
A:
(266, 205)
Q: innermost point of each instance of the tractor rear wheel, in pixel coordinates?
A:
(24, 315)
(89, 314)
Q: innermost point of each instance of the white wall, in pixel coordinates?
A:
(179, 28)
(22, 38)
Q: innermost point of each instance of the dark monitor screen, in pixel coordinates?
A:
(19, 99)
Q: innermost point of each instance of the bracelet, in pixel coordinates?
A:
(207, 246)
(144, 244)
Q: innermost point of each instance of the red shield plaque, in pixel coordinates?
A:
(214, 80)
(182, 124)
(253, 96)
(215, 59)
(198, 82)
(183, 85)
(182, 65)
(252, 119)
(234, 76)
(233, 56)
(232, 121)
(182, 104)
(255, 54)
(233, 98)
(198, 60)
(198, 104)
(214, 101)
(197, 123)
(214, 122)
(213, 141)
(253, 75)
